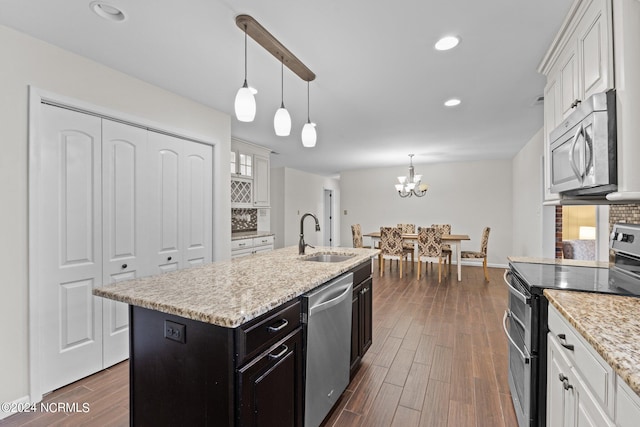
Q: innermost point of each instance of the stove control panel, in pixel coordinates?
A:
(625, 238)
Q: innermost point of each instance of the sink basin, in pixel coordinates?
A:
(328, 257)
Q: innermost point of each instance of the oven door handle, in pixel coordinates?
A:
(522, 297)
(507, 314)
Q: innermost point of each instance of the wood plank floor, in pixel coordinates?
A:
(439, 358)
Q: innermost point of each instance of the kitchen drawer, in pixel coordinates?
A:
(262, 241)
(597, 373)
(361, 273)
(241, 244)
(260, 333)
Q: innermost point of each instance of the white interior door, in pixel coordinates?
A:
(197, 203)
(69, 247)
(165, 214)
(123, 180)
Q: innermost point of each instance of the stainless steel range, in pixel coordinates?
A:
(525, 320)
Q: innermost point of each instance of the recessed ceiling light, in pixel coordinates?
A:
(107, 11)
(447, 43)
(452, 102)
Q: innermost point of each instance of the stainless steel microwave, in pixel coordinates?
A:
(583, 150)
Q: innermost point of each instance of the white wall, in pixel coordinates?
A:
(294, 193)
(528, 194)
(28, 61)
(469, 196)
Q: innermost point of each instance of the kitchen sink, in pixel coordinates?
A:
(328, 257)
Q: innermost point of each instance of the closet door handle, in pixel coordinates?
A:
(124, 266)
(168, 258)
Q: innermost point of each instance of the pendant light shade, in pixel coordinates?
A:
(282, 119)
(245, 104)
(309, 135)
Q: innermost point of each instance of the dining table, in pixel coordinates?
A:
(455, 240)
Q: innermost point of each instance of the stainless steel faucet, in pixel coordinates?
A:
(301, 243)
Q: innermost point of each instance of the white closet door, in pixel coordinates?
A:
(165, 209)
(69, 247)
(197, 203)
(123, 182)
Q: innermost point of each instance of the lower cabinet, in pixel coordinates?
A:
(271, 386)
(582, 388)
(251, 246)
(361, 315)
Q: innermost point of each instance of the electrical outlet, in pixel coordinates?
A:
(175, 331)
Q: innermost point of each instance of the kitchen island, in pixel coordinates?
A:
(219, 343)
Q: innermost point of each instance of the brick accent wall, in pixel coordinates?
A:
(558, 251)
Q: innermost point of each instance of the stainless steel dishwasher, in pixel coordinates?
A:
(327, 318)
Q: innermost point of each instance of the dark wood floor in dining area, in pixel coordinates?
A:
(439, 358)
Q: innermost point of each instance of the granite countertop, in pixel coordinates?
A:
(237, 235)
(573, 262)
(610, 323)
(230, 293)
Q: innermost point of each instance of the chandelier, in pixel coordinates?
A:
(412, 186)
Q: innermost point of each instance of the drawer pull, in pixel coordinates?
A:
(283, 324)
(279, 355)
(563, 342)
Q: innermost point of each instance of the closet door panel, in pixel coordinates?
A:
(165, 209)
(197, 203)
(123, 165)
(69, 246)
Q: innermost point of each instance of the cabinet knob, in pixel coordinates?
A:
(124, 266)
(168, 258)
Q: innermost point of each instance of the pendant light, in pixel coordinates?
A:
(282, 119)
(309, 135)
(245, 104)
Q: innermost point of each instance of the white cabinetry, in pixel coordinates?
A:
(582, 389)
(250, 175)
(261, 182)
(578, 64)
(627, 406)
(250, 246)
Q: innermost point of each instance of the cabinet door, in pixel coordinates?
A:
(124, 233)
(355, 329)
(560, 404)
(366, 316)
(588, 413)
(261, 181)
(594, 47)
(196, 186)
(69, 246)
(568, 80)
(270, 386)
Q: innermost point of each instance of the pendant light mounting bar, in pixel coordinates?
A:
(265, 39)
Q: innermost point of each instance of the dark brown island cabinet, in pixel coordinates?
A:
(361, 314)
(186, 372)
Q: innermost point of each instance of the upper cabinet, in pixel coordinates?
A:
(578, 64)
(250, 175)
(595, 50)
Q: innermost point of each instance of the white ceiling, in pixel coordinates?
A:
(380, 84)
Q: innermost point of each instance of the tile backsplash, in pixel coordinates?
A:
(244, 220)
(629, 214)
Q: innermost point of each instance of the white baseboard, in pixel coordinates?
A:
(18, 403)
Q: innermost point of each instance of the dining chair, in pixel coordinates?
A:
(446, 248)
(429, 248)
(391, 247)
(409, 248)
(356, 234)
(482, 254)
